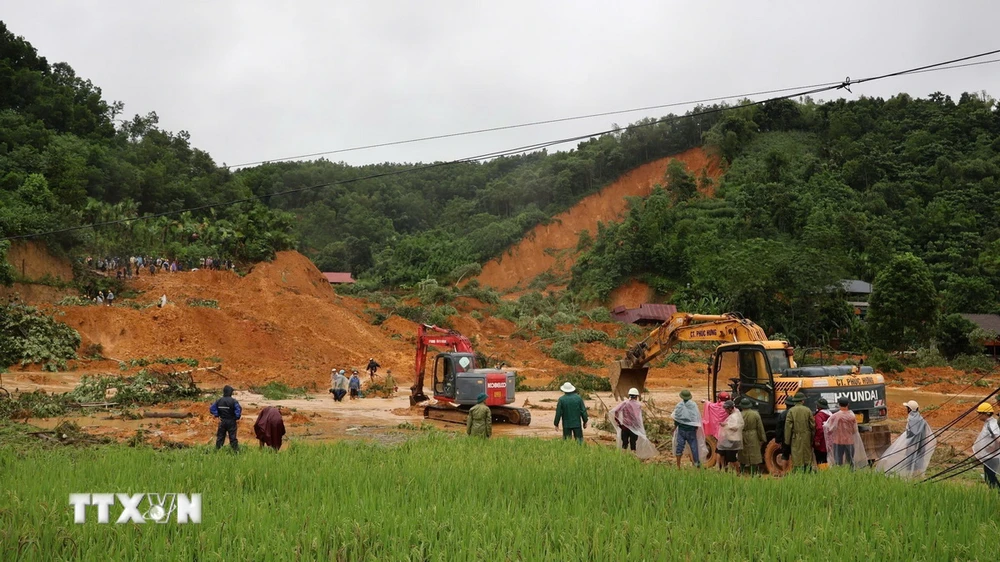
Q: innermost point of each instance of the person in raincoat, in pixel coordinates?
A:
(910, 454)
(714, 415)
(626, 418)
(751, 456)
(779, 430)
(354, 385)
(842, 437)
(480, 420)
(339, 385)
(572, 411)
(730, 438)
(688, 431)
(819, 439)
(800, 429)
(269, 428)
(987, 445)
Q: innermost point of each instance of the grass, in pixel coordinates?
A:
(525, 499)
(276, 390)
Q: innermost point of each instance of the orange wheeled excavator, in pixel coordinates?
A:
(458, 380)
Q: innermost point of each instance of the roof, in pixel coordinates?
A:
(646, 311)
(989, 322)
(856, 286)
(338, 277)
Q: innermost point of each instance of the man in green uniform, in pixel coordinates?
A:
(750, 456)
(800, 427)
(480, 421)
(572, 411)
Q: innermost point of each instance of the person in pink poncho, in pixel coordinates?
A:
(715, 414)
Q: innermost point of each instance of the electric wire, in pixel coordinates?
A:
(508, 152)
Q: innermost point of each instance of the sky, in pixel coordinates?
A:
(254, 80)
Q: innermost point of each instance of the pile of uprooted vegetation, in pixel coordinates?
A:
(143, 389)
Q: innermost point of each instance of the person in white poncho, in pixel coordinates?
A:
(630, 432)
(730, 438)
(843, 438)
(987, 445)
(910, 454)
(689, 432)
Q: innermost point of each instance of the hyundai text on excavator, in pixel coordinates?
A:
(458, 381)
(763, 370)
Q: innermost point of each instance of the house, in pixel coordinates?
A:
(990, 323)
(858, 294)
(648, 314)
(338, 278)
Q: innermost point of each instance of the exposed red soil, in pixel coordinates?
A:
(550, 244)
(631, 294)
(32, 261)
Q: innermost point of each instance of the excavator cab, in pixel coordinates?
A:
(447, 367)
(746, 370)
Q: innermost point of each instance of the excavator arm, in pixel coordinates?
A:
(631, 371)
(428, 336)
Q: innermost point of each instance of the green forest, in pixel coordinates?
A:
(900, 192)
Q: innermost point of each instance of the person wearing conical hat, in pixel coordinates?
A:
(572, 412)
(800, 429)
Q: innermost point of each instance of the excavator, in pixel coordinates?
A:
(458, 381)
(749, 365)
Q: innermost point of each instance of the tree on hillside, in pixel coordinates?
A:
(904, 304)
(953, 336)
(679, 182)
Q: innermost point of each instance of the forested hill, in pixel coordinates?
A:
(903, 192)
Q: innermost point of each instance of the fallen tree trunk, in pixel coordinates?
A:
(178, 415)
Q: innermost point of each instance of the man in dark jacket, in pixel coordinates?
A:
(372, 368)
(572, 411)
(229, 411)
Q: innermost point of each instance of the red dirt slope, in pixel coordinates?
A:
(526, 260)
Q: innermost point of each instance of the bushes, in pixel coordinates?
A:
(563, 350)
(276, 390)
(585, 382)
(969, 363)
(884, 362)
(28, 335)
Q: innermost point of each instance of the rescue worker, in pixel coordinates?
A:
(480, 420)
(800, 429)
(572, 411)
(688, 421)
(269, 427)
(340, 385)
(714, 415)
(371, 368)
(841, 428)
(229, 411)
(819, 438)
(730, 438)
(355, 385)
(751, 455)
(987, 445)
(779, 431)
(911, 452)
(628, 415)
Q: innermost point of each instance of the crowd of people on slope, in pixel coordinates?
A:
(133, 266)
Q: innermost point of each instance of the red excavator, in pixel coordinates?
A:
(458, 381)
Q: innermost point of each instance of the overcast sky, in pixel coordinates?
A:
(254, 80)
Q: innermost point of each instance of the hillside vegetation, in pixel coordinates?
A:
(902, 192)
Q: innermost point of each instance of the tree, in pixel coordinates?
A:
(904, 303)
(679, 181)
(953, 336)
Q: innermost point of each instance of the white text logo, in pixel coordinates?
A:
(138, 508)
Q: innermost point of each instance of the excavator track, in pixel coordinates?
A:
(501, 414)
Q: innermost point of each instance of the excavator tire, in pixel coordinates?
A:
(515, 416)
(775, 463)
(712, 458)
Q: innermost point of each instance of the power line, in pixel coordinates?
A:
(528, 124)
(921, 70)
(508, 152)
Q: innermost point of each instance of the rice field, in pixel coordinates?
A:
(438, 497)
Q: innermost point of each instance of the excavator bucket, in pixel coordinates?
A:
(416, 397)
(623, 378)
